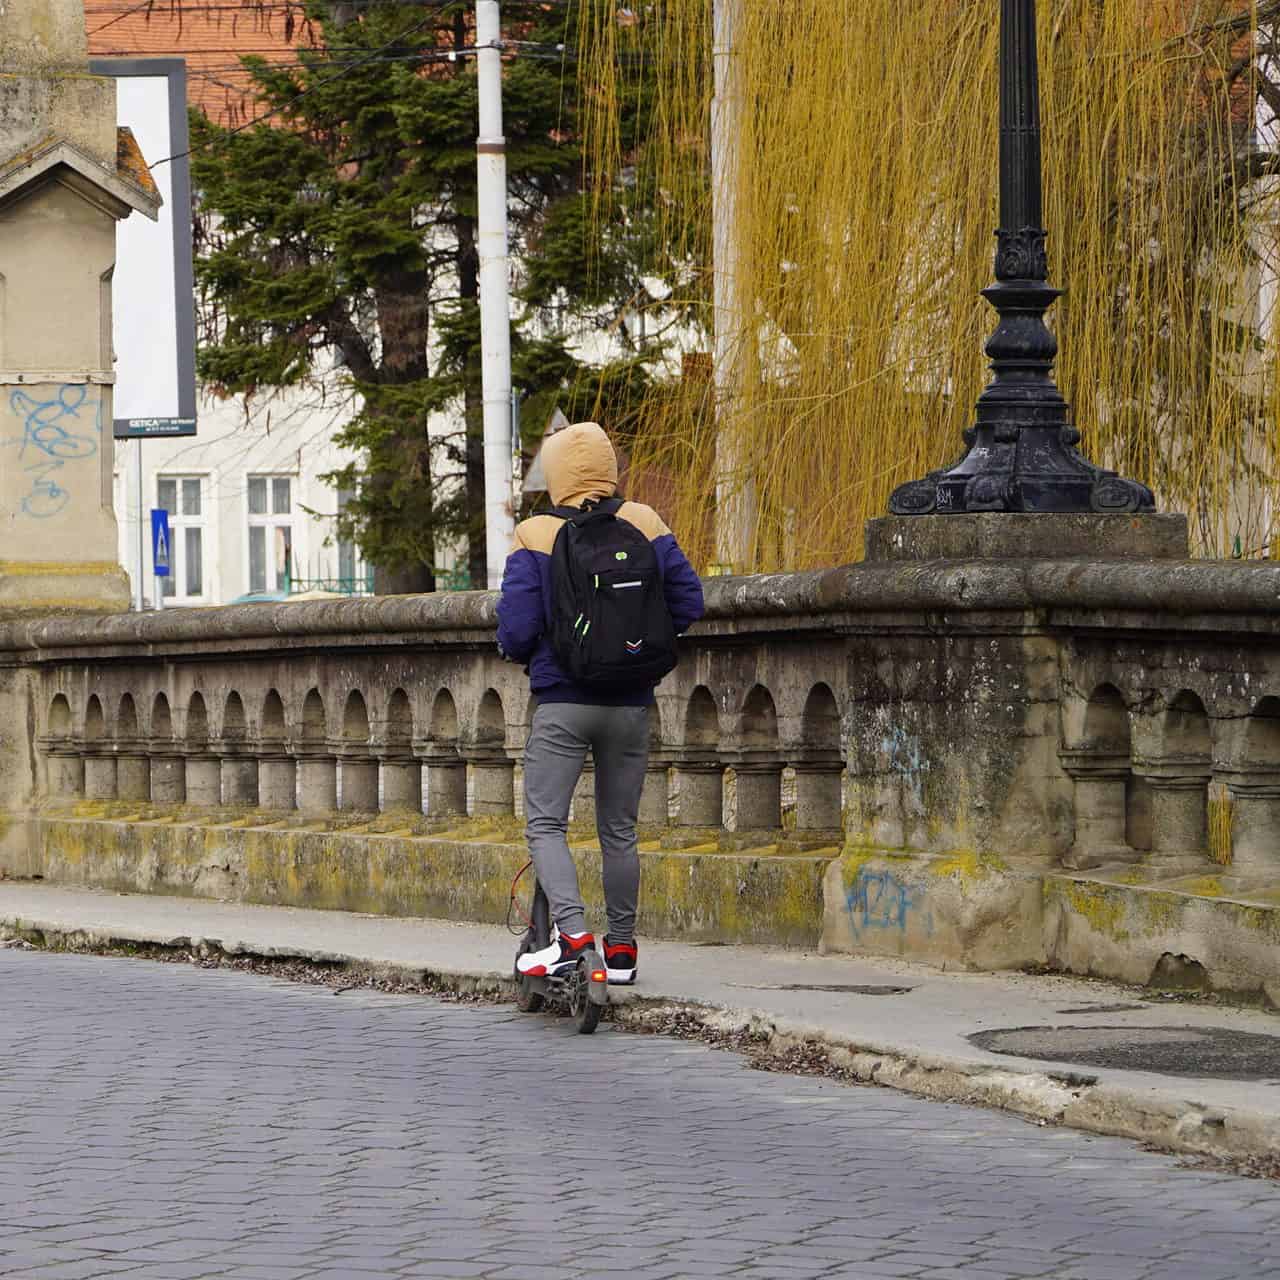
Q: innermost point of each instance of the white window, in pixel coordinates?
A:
(270, 533)
(183, 498)
(352, 575)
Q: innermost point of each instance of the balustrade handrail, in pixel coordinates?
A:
(1178, 588)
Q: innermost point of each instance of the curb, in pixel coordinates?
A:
(1070, 1100)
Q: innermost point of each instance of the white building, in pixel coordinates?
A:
(249, 514)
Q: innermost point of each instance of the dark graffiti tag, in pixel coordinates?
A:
(49, 441)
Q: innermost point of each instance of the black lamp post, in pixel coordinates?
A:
(1021, 451)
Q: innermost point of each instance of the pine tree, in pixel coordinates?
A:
(343, 224)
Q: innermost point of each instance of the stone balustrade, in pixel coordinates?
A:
(1010, 720)
(898, 706)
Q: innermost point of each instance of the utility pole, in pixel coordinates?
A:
(735, 493)
(495, 301)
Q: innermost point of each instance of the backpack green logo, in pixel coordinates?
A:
(620, 555)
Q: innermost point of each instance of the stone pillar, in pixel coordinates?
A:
(204, 779)
(317, 781)
(133, 770)
(1255, 822)
(700, 788)
(1100, 785)
(168, 773)
(819, 798)
(64, 769)
(401, 781)
(65, 179)
(277, 781)
(759, 786)
(359, 780)
(99, 774)
(655, 796)
(239, 775)
(446, 782)
(493, 779)
(1179, 814)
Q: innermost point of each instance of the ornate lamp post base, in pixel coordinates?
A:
(1021, 453)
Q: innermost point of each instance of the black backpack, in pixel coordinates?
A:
(610, 626)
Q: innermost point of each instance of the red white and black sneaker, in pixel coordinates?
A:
(620, 962)
(563, 952)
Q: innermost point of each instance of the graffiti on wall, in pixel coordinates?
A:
(57, 426)
(879, 901)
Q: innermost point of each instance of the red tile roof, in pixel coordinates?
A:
(211, 35)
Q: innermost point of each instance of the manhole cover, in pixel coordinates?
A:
(1170, 1051)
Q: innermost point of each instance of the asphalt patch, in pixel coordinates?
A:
(1215, 1052)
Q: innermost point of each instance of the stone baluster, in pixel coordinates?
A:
(493, 775)
(133, 769)
(317, 777)
(168, 771)
(1179, 813)
(359, 776)
(1100, 781)
(1255, 819)
(100, 778)
(699, 779)
(759, 788)
(277, 777)
(446, 778)
(819, 798)
(655, 795)
(64, 768)
(239, 769)
(203, 776)
(402, 779)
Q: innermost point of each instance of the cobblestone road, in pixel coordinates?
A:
(159, 1122)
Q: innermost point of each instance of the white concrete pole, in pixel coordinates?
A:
(495, 302)
(735, 493)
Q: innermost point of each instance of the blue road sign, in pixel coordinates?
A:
(160, 542)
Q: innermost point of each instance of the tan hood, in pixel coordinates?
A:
(579, 463)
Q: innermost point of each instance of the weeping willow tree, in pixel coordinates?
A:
(857, 213)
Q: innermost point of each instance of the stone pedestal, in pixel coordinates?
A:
(1010, 535)
(759, 788)
(133, 771)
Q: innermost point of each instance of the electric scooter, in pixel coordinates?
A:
(583, 988)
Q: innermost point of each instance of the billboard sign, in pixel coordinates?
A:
(153, 293)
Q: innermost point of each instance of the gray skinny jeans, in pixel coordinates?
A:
(618, 738)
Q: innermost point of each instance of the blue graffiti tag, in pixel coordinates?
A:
(50, 445)
(879, 900)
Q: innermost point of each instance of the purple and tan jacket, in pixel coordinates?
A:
(580, 464)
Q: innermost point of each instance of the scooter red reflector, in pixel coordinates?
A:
(599, 975)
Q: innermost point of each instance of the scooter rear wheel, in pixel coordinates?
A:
(527, 999)
(584, 1010)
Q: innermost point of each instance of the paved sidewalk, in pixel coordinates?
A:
(915, 1039)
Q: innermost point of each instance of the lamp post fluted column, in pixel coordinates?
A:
(1021, 452)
